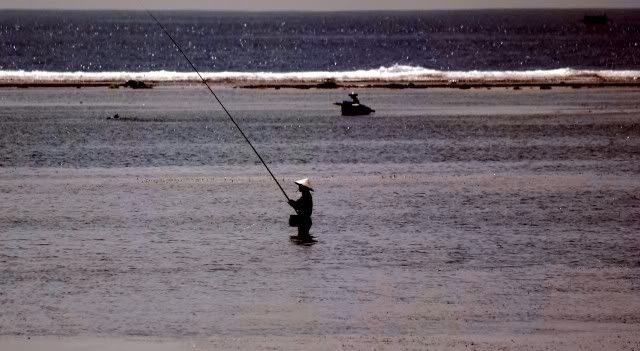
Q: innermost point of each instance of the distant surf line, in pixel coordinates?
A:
(396, 74)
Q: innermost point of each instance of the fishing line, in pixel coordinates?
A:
(215, 96)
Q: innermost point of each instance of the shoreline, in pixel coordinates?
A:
(329, 85)
(395, 77)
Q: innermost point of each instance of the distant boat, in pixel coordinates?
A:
(354, 107)
(595, 19)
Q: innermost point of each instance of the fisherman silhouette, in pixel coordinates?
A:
(303, 207)
(354, 98)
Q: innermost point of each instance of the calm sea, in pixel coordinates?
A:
(496, 212)
(296, 42)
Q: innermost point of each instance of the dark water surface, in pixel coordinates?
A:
(446, 212)
(61, 41)
(179, 126)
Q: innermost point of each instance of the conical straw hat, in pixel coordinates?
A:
(305, 183)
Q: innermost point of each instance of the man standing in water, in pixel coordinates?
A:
(303, 207)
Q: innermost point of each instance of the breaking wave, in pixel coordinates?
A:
(393, 74)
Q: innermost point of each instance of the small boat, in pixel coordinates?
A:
(595, 19)
(354, 107)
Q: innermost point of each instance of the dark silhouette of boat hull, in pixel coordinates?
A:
(348, 108)
(596, 20)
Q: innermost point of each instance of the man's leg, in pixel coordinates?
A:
(303, 228)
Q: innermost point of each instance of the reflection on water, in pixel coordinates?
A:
(428, 222)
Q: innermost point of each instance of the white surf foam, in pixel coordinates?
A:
(396, 73)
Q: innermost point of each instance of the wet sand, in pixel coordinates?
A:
(448, 220)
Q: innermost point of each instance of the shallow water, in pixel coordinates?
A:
(448, 211)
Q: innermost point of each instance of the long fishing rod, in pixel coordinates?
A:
(217, 99)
